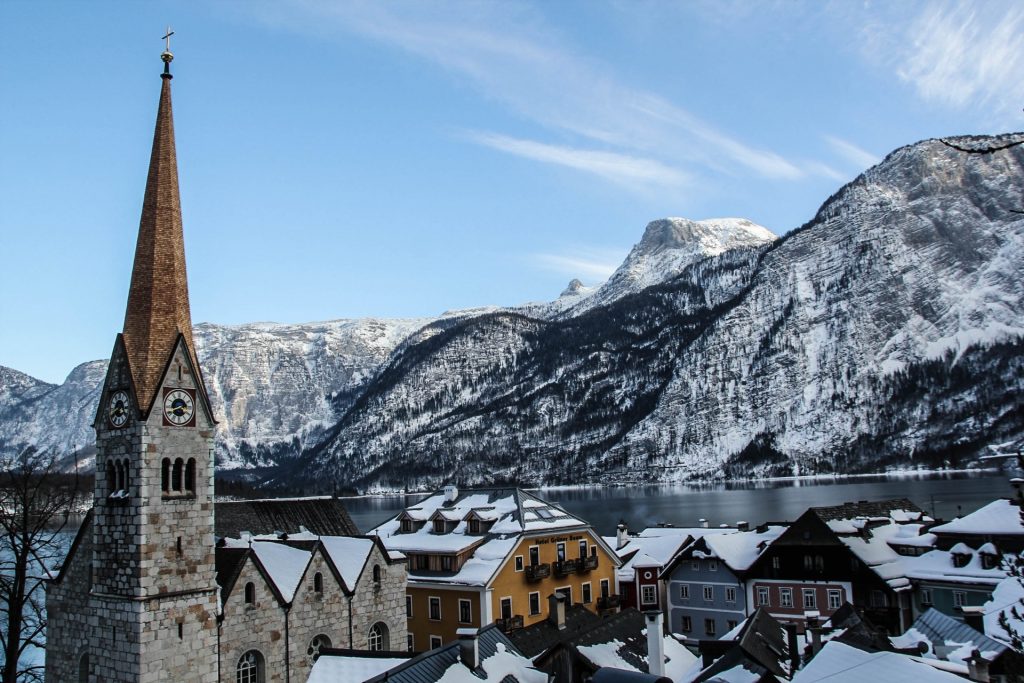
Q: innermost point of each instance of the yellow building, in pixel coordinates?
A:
(495, 555)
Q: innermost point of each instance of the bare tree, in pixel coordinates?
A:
(36, 501)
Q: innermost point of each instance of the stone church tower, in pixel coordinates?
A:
(137, 599)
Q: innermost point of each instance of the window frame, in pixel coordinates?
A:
(432, 601)
(684, 591)
(730, 591)
(708, 592)
(838, 601)
(648, 594)
(466, 605)
(809, 598)
(764, 596)
(534, 600)
(786, 597)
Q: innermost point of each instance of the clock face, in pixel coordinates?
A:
(179, 407)
(117, 409)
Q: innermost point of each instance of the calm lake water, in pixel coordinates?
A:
(944, 495)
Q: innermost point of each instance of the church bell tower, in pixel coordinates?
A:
(152, 585)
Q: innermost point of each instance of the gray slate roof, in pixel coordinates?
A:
(321, 516)
(431, 665)
(941, 628)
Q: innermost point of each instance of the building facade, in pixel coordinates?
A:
(493, 555)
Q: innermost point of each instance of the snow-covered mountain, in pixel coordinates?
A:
(884, 331)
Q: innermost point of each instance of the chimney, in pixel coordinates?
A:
(468, 651)
(704, 523)
(655, 644)
(974, 616)
(621, 535)
(977, 668)
(556, 609)
(451, 492)
(742, 526)
(794, 648)
(815, 630)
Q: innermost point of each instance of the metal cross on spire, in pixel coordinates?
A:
(167, 56)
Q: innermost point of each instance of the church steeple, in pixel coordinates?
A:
(158, 307)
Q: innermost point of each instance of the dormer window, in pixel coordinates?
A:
(474, 526)
(439, 526)
(407, 527)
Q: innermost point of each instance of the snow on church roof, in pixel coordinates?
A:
(284, 564)
(841, 663)
(348, 555)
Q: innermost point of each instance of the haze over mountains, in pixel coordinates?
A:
(885, 331)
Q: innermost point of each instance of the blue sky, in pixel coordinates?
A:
(402, 159)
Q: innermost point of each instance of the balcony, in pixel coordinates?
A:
(608, 602)
(566, 567)
(537, 572)
(587, 564)
(511, 623)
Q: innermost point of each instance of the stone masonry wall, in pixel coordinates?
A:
(70, 621)
(384, 603)
(259, 626)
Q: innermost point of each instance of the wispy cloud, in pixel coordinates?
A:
(960, 54)
(857, 156)
(512, 56)
(622, 169)
(587, 263)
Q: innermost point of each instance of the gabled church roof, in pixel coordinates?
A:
(158, 307)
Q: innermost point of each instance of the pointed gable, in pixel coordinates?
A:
(158, 306)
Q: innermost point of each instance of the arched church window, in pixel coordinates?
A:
(119, 466)
(316, 645)
(165, 475)
(111, 477)
(126, 484)
(318, 584)
(190, 475)
(179, 464)
(83, 669)
(250, 593)
(377, 640)
(376, 575)
(250, 668)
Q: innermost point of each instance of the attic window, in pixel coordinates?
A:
(318, 584)
(438, 526)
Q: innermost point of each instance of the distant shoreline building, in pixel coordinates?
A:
(145, 594)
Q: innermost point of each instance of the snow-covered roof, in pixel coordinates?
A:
(514, 513)
(874, 550)
(330, 668)
(739, 550)
(998, 517)
(648, 550)
(840, 663)
(1006, 603)
(946, 639)
(284, 565)
(937, 565)
(678, 659)
(348, 555)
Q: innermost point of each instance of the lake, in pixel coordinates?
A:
(944, 495)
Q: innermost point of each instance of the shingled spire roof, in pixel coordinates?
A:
(158, 309)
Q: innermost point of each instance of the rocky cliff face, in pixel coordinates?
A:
(885, 331)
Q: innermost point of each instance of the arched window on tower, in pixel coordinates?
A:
(127, 475)
(190, 475)
(377, 639)
(111, 477)
(83, 669)
(179, 464)
(165, 475)
(250, 668)
(250, 594)
(119, 466)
